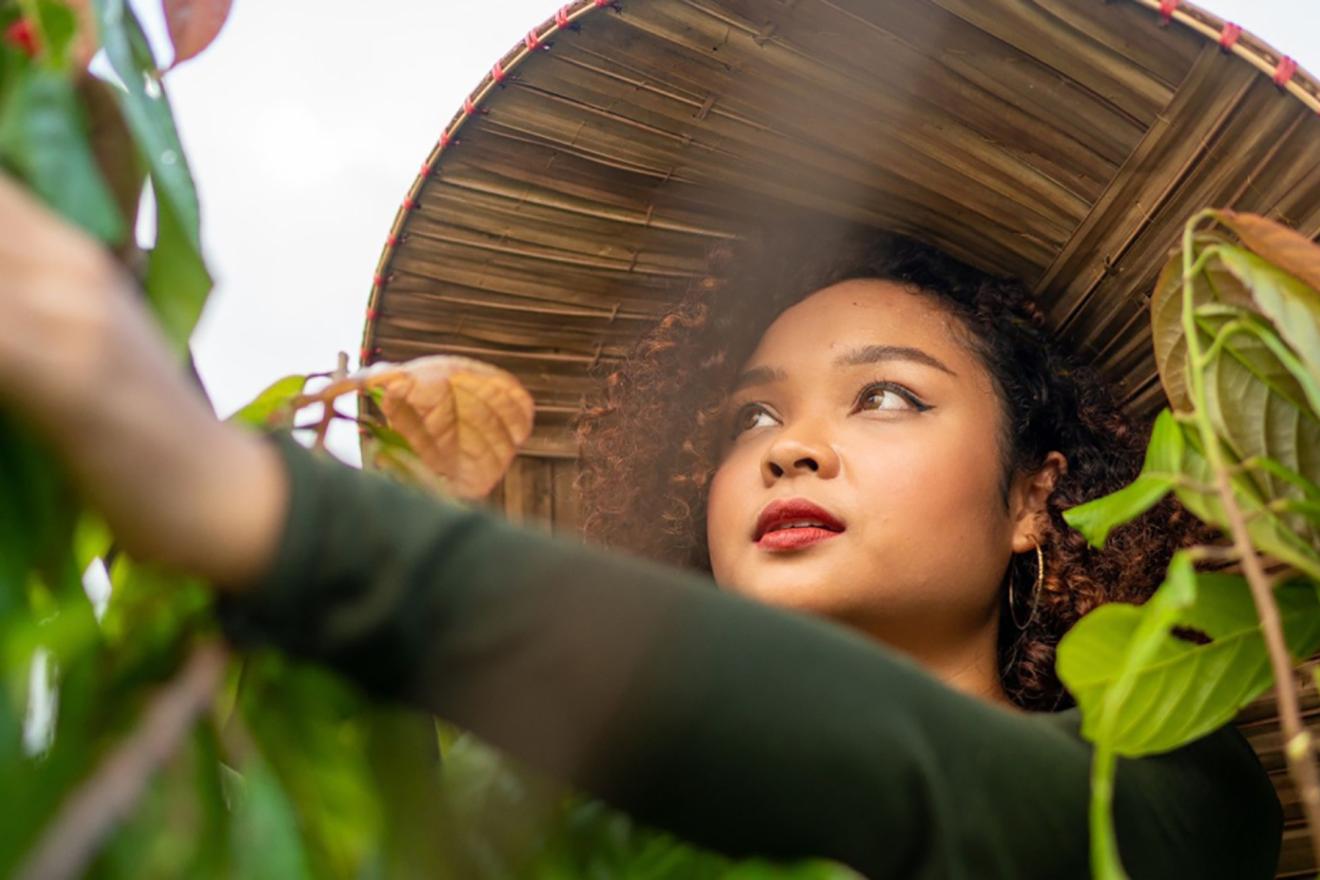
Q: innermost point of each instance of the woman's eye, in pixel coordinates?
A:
(888, 398)
(750, 417)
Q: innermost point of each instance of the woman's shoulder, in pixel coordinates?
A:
(1212, 793)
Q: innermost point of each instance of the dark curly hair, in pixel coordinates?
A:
(649, 448)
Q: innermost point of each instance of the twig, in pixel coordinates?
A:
(1298, 745)
(328, 413)
(72, 837)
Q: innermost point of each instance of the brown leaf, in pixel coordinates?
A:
(1284, 247)
(464, 419)
(116, 154)
(193, 25)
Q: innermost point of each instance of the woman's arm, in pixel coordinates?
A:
(739, 726)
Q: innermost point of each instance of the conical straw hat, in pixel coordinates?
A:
(577, 193)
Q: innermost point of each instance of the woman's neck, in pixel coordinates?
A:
(969, 664)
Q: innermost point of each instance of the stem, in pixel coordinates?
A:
(1298, 746)
(328, 413)
(70, 841)
(1104, 849)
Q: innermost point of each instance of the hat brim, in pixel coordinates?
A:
(578, 191)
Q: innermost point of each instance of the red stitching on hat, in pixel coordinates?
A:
(408, 204)
(371, 314)
(426, 170)
(561, 18)
(1167, 8)
(378, 280)
(444, 139)
(533, 40)
(392, 241)
(1284, 72)
(1229, 37)
(600, 3)
(362, 355)
(497, 72)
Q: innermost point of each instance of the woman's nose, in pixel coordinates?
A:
(799, 451)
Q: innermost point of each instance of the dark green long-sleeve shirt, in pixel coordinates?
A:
(741, 727)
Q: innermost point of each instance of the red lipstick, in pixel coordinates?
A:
(790, 524)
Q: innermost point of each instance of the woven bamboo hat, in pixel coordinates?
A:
(577, 192)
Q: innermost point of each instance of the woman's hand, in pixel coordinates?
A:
(82, 361)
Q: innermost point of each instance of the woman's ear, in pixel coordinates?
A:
(1030, 492)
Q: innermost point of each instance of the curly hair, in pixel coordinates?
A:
(649, 448)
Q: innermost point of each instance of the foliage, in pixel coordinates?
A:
(1236, 325)
(165, 755)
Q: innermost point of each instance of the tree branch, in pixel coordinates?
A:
(70, 841)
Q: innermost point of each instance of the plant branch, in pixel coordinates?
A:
(1298, 746)
(70, 841)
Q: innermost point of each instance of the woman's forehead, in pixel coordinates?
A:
(857, 313)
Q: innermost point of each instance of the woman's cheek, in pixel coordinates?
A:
(720, 519)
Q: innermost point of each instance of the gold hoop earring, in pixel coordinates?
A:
(1035, 591)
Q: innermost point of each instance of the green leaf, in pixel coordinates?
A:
(1269, 534)
(148, 113)
(37, 518)
(273, 407)
(1259, 408)
(1179, 690)
(1212, 285)
(1096, 519)
(57, 25)
(1143, 691)
(404, 757)
(177, 282)
(43, 139)
(266, 842)
(1292, 306)
(306, 723)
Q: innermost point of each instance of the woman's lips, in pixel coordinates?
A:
(793, 523)
(795, 538)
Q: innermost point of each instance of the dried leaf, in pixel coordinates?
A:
(1282, 246)
(193, 25)
(464, 419)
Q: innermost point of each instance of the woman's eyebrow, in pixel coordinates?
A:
(868, 354)
(757, 376)
(874, 354)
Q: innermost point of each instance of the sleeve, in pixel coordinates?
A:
(741, 727)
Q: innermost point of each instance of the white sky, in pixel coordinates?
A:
(306, 122)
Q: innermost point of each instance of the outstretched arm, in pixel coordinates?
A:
(739, 726)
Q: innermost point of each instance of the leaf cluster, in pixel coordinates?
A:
(1235, 319)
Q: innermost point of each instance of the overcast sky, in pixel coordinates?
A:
(306, 122)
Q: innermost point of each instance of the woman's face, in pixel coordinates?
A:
(863, 399)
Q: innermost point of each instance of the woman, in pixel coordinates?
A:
(936, 352)
(738, 725)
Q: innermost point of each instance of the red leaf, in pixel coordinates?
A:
(1281, 245)
(23, 37)
(194, 24)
